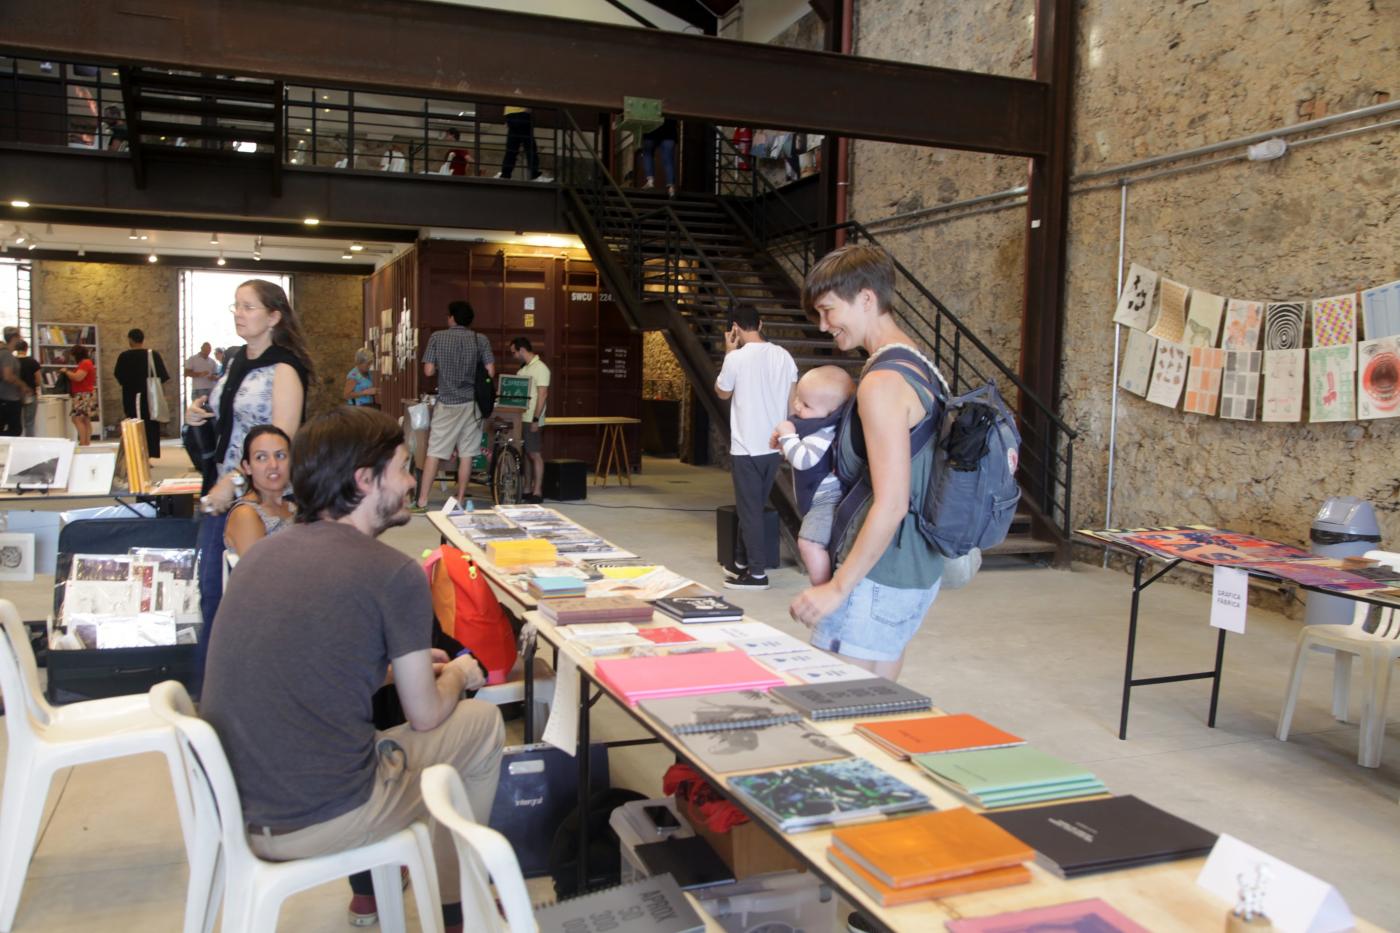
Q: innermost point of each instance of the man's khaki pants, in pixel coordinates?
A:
(469, 740)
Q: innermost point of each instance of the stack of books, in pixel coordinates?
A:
(674, 675)
(873, 696)
(930, 735)
(518, 553)
(1009, 777)
(596, 609)
(698, 609)
(556, 587)
(833, 792)
(929, 855)
(597, 639)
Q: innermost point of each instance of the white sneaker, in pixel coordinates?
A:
(544, 178)
(650, 183)
(498, 175)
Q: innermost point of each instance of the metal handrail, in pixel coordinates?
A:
(599, 167)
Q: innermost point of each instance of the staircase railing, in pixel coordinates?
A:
(1047, 448)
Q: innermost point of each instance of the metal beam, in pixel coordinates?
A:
(412, 47)
(198, 262)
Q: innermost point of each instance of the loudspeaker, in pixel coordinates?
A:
(565, 480)
(727, 535)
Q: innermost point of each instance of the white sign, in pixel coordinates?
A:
(1230, 598)
(529, 304)
(1294, 901)
(562, 729)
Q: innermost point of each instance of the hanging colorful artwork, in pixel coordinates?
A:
(1135, 304)
(1283, 325)
(1242, 321)
(1203, 380)
(1332, 383)
(1171, 320)
(1283, 385)
(1380, 310)
(1203, 323)
(1334, 321)
(1136, 370)
(1378, 378)
(1239, 385)
(1168, 374)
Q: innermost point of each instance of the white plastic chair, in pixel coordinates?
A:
(252, 889)
(44, 739)
(1378, 652)
(513, 691)
(483, 856)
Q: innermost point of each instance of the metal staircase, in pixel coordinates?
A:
(678, 264)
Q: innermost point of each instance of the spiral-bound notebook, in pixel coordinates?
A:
(735, 709)
(647, 905)
(845, 699)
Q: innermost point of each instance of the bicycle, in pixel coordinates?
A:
(509, 471)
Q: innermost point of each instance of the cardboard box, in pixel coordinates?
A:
(748, 849)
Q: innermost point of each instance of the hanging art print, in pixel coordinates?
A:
(1380, 310)
(1242, 321)
(1136, 370)
(1283, 385)
(1203, 380)
(1168, 374)
(1332, 383)
(1334, 321)
(1203, 323)
(1171, 321)
(1239, 385)
(1283, 325)
(1378, 378)
(1135, 304)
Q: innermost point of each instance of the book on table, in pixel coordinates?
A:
(1093, 914)
(736, 709)
(929, 735)
(928, 847)
(691, 861)
(596, 609)
(821, 794)
(847, 699)
(1003, 777)
(794, 743)
(584, 631)
(604, 645)
(888, 896)
(647, 905)
(556, 587)
(1087, 836)
(666, 635)
(698, 609)
(646, 678)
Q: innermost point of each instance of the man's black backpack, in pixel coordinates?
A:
(485, 390)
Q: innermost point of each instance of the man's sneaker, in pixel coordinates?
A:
(532, 499)
(748, 582)
(732, 570)
(364, 911)
(498, 175)
(418, 509)
(544, 177)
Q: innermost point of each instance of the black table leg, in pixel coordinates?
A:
(1215, 684)
(1132, 644)
(528, 656)
(584, 779)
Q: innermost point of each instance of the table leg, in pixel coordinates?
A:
(625, 467)
(1132, 643)
(1215, 681)
(598, 473)
(584, 780)
(528, 656)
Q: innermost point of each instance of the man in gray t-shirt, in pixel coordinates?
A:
(451, 356)
(312, 620)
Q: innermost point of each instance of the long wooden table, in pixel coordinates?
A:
(1160, 897)
(612, 446)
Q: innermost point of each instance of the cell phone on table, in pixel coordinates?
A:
(662, 818)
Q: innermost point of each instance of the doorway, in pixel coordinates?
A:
(205, 299)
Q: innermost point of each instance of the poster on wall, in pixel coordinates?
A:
(1334, 321)
(1168, 374)
(1203, 380)
(1242, 322)
(1203, 323)
(1135, 304)
(1136, 370)
(1283, 325)
(1171, 319)
(1380, 310)
(1283, 385)
(1378, 378)
(1332, 383)
(1239, 385)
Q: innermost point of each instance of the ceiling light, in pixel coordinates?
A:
(82, 250)
(133, 235)
(116, 74)
(145, 236)
(306, 129)
(153, 258)
(213, 239)
(311, 221)
(222, 260)
(357, 247)
(246, 147)
(19, 202)
(33, 243)
(257, 255)
(347, 256)
(325, 97)
(20, 237)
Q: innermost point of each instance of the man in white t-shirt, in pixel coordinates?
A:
(202, 371)
(757, 377)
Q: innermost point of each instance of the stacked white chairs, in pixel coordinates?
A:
(45, 738)
(1378, 651)
(223, 868)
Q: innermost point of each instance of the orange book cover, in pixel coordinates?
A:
(931, 734)
(963, 884)
(930, 847)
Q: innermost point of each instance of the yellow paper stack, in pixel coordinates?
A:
(135, 456)
(515, 553)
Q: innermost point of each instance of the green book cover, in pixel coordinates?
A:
(1002, 769)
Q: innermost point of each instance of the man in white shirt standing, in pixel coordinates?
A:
(202, 371)
(531, 365)
(757, 377)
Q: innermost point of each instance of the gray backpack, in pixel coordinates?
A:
(971, 496)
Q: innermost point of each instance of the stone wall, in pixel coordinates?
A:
(1152, 79)
(120, 297)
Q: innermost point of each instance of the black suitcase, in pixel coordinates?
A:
(89, 675)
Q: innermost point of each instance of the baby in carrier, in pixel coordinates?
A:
(805, 440)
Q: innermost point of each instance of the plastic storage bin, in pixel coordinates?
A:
(634, 828)
(789, 902)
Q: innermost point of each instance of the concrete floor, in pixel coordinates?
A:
(1034, 650)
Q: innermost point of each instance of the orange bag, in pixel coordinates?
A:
(468, 611)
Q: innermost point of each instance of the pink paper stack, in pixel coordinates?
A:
(649, 678)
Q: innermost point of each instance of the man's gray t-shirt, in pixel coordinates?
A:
(9, 391)
(307, 627)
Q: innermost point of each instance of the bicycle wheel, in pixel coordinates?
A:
(507, 477)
